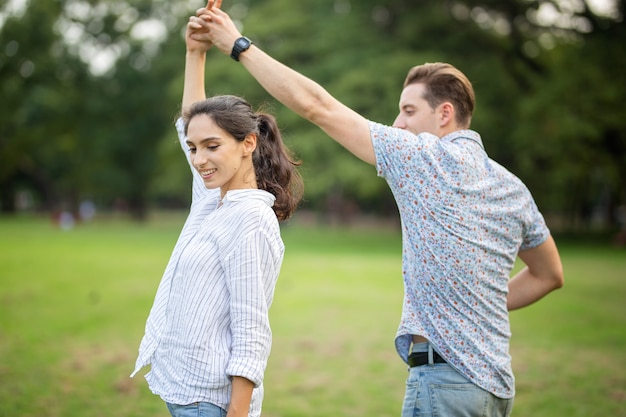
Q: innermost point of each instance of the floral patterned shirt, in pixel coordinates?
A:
(464, 219)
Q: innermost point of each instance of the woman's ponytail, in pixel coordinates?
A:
(276, 169)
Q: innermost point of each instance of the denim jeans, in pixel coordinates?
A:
(196, 410)
(438, 390)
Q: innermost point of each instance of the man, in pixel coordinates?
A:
(465, 219)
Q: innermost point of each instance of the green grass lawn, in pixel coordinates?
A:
(73, 305)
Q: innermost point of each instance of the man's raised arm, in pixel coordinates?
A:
(297, 92)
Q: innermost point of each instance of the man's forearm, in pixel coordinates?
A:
(543, 274)
(311, 101)
(525, 289)
(299, 93)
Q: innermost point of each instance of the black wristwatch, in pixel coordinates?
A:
(242, 44)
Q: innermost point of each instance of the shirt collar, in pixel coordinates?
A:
(249, 194)
(464, 134)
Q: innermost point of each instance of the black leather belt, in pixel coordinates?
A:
(421, 358)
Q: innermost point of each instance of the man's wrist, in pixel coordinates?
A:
(241, 45)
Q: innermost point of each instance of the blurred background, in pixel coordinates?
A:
(90, 90)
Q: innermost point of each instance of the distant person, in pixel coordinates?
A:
(208, 335)
(465, 219)
(86, 210)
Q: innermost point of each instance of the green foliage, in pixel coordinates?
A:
(582, 147)
(548, 95)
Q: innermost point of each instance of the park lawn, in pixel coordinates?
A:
(73, 305)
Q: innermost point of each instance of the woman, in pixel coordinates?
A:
(208, 336)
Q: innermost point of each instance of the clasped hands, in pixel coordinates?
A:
(211, 26)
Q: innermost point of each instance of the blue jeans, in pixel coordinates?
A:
(196, 410)
(438, 390)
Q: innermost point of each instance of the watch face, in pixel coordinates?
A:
(242, 42)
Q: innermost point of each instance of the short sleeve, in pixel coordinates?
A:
(535, 231)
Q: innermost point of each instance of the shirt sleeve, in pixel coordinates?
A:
(198, 189)
(395, 149)
(379, 137)
(251, 273)
(535, 231)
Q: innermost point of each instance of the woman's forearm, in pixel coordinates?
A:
(240, 398)
(194, 89)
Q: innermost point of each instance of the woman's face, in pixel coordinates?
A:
(219, 158)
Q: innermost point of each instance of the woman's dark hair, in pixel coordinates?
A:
(275, 168)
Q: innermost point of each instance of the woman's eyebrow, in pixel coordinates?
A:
(202, 141)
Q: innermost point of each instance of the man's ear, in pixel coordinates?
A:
(446, 113)
(249, 144)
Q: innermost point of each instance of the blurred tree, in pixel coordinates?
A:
(579, 162)
(360, 51)
(90, 90)
(85, 104)
(34, 142)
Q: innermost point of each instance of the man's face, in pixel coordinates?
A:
(416, 115)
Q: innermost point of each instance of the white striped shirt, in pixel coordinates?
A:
(209, 320)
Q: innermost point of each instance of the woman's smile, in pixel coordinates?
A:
(207, 173)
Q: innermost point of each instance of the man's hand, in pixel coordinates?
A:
(217, 27)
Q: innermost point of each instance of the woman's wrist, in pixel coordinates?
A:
(196, 52)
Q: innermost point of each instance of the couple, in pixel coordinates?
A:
(465, 220)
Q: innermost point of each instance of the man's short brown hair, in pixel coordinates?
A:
(443, 83)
